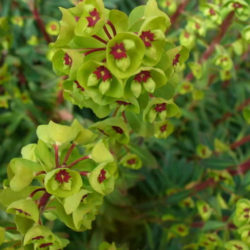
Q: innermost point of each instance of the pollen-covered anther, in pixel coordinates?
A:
(102, 176)
(67, 59)
(147, 37)
(160, 107)
(93, 18)
(143, 76)
(117, 129)
(118, 51)
(176, 59)
(102, 73)
(62, 176)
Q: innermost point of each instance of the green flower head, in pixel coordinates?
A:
(131, 161)
(242, 212)
(124, 54)
(160, 109)
(62, 182)
(240, 7)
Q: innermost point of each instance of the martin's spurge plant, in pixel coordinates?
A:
(110, 62)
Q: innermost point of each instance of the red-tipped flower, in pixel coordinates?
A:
(118, 51)
(62, 176)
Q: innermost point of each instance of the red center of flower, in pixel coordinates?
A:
(131, 161)
(186, 34)
(93, 18)
(67, 59)
(160, 107)
(224, 59)
(212, 12)
(168, 3)
(176, 59)
(163, 128)
(237, 5)
(77, 18)
(117, 129)
(118, 51)
(181, 229)
(53, 27)
(102, 73)
(147, 37)
(197, 26)
(102, 176)
(143, 76)
(62, 176)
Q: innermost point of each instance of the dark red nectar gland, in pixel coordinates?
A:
(160, 107)
(79, 86)
(62, 176)
(67, 60)
(53, 27)
(38, 237)
(147, 37)
(186, 34)
(197, 26)
(237, 5)
(142, 77)
(46, 245)
(131, 161)
(117, 129)
(163, 128)
(118, 51)
(22, 212)
(102, 73)
(176, 59)
(93, 18)
(102, 176)
(212, 12)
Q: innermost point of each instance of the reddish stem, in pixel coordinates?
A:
(240, 142)
(37, 190)
(56, 148)
(100, 39)
(124, 117)
(41, 172)
(41, 24)
(10, 228)
(209, 51)
(78, 160)
(94, 50)
(107, 32)
(112, 27)
(179, 11)
(69, 153)
(228, 114)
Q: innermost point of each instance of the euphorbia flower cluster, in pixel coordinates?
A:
(54, 179)
(112, 61)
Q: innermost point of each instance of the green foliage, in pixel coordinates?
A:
(163, 160)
